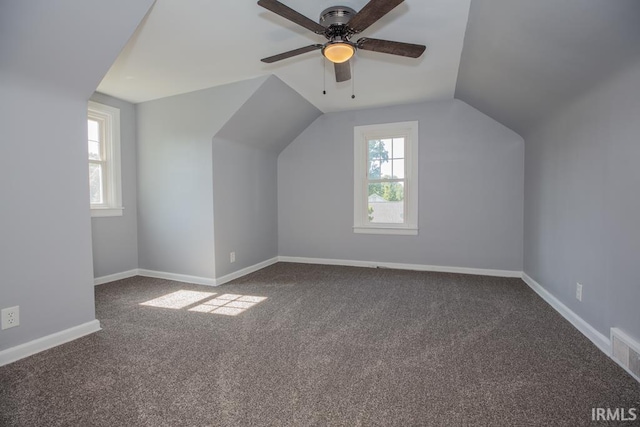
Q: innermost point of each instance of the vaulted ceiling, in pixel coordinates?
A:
(188, 45)
(522, 60)
(515, 60)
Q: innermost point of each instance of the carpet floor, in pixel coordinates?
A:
(303, 345)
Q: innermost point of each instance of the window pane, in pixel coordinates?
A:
(94, 150)
(378, 157)
(94, 130)
(380, 148)
(398, 168)
(95, 183)
(398, 148)
(386, 202)
(374, 149)
(375, 168)
(94, 140)
(385, 170)
(386, 144)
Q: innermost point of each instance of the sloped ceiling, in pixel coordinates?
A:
(271, 118)
(524, 59)
(62, 44)
(521, 59)
(189, 45)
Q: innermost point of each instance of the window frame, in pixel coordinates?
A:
(109, 118)
(362, 135)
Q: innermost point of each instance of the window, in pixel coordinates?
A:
(386, 179)
(103, 123)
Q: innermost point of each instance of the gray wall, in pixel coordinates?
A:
(471, 190)
(45, 249)
(245, 186)
(115, 239)
(175, 195)
(45, 226)
(245, 205)
(583, 204)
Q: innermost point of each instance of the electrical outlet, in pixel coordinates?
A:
(578, 291)
(10, 317)
(232, 257)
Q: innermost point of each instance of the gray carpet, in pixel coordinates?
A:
(328, 346)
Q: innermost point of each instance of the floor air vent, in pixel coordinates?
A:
(626, 351)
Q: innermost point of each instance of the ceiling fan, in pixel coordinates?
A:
(338, 24)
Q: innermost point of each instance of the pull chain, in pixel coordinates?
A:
(324, 76)
(353, 80)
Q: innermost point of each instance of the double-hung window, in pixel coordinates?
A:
(386, 178)
(103, 124)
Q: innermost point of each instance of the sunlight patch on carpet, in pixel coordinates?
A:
(179, 299)
(228, 304)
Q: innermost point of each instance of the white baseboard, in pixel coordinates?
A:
(401, 266)
(155, 274)
(247, 270)
(600, 340)
(113, 277)
(197, 280)
(36, 346)
(177, 277)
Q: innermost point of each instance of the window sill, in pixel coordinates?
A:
(402, 231)
(104, 212)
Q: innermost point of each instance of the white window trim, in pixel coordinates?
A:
(111, 117)
(362, 134)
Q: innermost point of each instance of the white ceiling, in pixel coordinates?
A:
(189, 45)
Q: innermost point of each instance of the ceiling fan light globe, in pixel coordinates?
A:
(338, 52)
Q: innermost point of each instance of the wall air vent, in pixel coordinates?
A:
(626, 351)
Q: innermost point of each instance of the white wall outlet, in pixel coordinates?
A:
(10, 317)
(578, 291)
(232, 257)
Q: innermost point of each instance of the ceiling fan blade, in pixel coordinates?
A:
(293, 16)
(343, 71)
(291, 53)
(394, 48)
(370, 13)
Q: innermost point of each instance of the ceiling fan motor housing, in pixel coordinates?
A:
(336, 15)
(335, 19)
